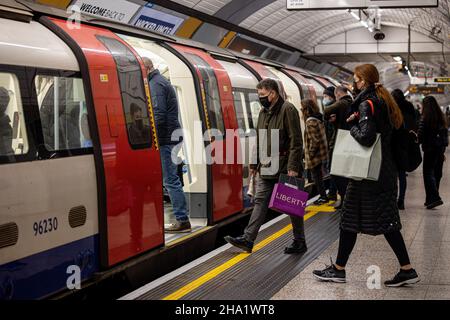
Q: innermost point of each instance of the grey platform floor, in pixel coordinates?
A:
(427, 236)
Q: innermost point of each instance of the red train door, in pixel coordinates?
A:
(218, 110)
(134, 220)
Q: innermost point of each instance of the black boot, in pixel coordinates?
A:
(401, 204)
(240, 242)
(296, 247)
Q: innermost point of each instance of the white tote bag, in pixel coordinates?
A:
(354, 161)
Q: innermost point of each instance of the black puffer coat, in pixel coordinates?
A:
(370, 207)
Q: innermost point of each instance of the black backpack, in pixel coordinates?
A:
(405, 148)
(441, 140)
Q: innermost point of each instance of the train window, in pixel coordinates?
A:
(255, 106)
(13, 135)
(63, 113)
(133, 93)
(239, 106)
(211, 88)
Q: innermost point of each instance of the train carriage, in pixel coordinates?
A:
(78, 189)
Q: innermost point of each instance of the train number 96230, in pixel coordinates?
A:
(45, 226)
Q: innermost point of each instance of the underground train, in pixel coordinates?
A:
(77, 190)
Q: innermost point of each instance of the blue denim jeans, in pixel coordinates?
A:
(172, 183)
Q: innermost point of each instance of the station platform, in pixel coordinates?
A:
(229, 274)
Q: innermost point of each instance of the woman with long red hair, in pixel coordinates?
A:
(370, 207)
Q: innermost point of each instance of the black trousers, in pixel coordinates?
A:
(341, 185)
(317, 176)
(347, 242)
(433, 162)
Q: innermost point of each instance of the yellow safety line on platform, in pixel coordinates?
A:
(312, 211)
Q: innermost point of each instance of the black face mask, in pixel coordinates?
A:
(356, 91)
(265, 102)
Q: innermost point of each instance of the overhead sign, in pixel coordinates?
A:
(158, 21)
(357, 4)
(442, 80)
(430, 89)
(117, 10)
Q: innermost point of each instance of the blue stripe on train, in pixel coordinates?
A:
(45, 273)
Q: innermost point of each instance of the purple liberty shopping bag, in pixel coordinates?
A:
(288, 200)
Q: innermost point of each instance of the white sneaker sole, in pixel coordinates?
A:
(336, 280)
(406, 282)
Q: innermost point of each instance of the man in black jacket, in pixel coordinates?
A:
(165, 107)
(338, 113)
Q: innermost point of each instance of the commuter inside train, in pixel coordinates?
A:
(6, 130)
(316, 146)
(139, 133)
(370, 207)
(165, 107)
(338, 113)
(276, 115)
(433, 135)
(410, 123)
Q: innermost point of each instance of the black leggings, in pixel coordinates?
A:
(347, 242)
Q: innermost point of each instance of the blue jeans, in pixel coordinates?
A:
(172, 183)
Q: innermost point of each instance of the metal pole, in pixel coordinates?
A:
(409, 46)
(56, 109)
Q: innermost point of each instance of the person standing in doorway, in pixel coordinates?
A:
(165, 107)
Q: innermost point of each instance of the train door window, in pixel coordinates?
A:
(211, 89)
(243, 114)
(255, 106)
(63, 113)
(13, 135)
(133, 93)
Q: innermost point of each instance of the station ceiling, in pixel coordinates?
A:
(306, 29)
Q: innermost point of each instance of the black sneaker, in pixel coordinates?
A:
(330, 274)
(402, 278)
(321, 201)
(240, 242)
(435, 204)
(401, 205)
(296, 247)
(178, 227)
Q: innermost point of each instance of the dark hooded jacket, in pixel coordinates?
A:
(370, 207)
(165, 107)
(408, 112)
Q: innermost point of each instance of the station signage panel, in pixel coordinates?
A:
(155, 20)
(357, 4)
(117, 10)
(442, 80)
